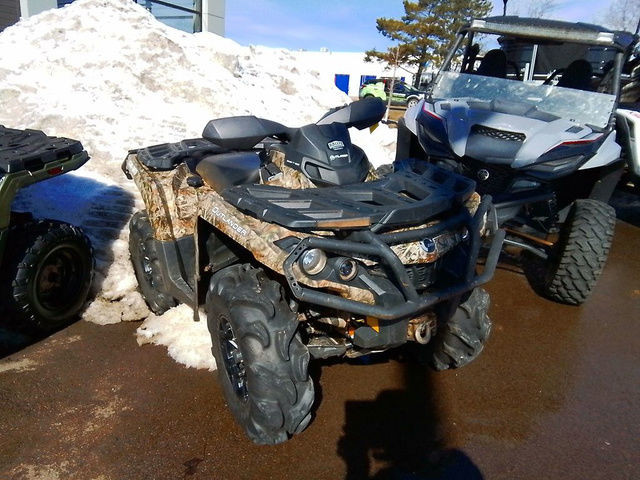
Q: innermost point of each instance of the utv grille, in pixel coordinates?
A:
(490, 179)
(499, 134)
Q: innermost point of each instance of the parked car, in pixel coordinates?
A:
(403, 93)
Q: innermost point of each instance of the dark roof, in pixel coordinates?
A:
(552, 30)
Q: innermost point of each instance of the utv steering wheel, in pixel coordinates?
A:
(553, 75)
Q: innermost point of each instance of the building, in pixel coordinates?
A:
(348, 70)
(186, 15)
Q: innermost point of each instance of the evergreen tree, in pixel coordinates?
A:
(426, 29)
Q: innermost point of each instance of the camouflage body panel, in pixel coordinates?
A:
(259, 238)
(170, 203)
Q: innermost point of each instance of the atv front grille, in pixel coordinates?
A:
(490, 179)
(499, 134)
(421, 274)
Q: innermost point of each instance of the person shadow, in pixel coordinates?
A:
(101, 210)
(399, 434)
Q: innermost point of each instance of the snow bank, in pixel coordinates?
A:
(109, 74)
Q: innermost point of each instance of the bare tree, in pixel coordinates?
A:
(623, 15)
(541, 8)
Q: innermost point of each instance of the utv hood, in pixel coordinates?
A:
(507, 133)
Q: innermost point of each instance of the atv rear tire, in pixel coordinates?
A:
(146, 264)
(461, 339)
(581, 252)
(262, 363)
(47, 273)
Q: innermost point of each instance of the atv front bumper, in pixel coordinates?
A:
(408, 302)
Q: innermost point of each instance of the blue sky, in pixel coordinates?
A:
(346, 25)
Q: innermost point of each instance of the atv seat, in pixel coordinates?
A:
(577, 75)
(494, 64)
(229, 169)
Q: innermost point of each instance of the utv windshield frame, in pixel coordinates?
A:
(532, 29)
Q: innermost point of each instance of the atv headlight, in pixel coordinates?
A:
(313, 261)
(347, 269)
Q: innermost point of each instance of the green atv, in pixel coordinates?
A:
(46, 265)
(299, 249)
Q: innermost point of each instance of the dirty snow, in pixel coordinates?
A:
(108, 73)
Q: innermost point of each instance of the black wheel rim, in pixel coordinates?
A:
(59, 281)
(233, 361)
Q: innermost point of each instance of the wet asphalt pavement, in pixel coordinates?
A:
(555, 395)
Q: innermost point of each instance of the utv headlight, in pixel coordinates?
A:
(559, 165)
(313, 261)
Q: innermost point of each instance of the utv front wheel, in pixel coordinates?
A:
(146, 264)
(47, 271)
(581, 252)
(262, 363)
(461, 339)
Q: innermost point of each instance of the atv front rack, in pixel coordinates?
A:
(368, 243)
(399, 199)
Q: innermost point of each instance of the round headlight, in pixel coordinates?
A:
(347, 269)
(313, 261)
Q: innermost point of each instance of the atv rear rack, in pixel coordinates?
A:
(378, 245)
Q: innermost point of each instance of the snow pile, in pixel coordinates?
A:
(188, 342)
(109, 74)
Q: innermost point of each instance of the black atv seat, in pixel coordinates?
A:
(242, 133)
(229, 169)
(31, 149)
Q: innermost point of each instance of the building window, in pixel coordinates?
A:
(185, 15)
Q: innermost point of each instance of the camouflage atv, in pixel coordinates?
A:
(46, 266)
(307, 253)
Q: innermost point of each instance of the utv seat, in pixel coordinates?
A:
(229, 169)
(577, 75)
(494, 64)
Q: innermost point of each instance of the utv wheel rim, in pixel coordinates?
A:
(58, 282)
(233, 361)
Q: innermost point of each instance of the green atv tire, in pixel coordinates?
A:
(146, 264)
(47, 273)
(262, 362)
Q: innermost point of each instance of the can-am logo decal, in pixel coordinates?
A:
(234, 225)
(336, 145)
(483, 174)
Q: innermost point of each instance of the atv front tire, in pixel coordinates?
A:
(262, 363)
(146, 264)
(581, 252)
(46, 274)
(461, 339)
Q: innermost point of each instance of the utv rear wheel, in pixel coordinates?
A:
(262, 363)
(581, 252)
(47, 271)
(461, 339)
(146, 264)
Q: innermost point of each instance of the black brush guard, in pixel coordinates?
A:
(378, 245)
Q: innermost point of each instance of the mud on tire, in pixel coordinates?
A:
(46, 274)
(581, 252)
(146, 264)
(262, 363)
(461, 339)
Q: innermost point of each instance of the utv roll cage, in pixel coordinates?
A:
(545, 31)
